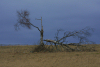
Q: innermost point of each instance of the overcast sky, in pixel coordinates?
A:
(68, 15)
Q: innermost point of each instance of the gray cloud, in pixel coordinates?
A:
(66, 14)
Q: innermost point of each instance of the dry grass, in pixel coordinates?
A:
(20, 56)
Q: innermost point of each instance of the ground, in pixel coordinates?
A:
(20, 56)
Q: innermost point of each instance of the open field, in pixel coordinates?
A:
(20, 56)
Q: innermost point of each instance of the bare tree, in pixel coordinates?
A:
(24, 21)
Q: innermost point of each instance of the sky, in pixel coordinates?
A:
(68, 15)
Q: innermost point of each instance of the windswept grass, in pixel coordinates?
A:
(21, 56)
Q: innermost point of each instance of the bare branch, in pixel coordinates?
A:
(82, 34)
(56, 35)
(23, 20)
(35, 27)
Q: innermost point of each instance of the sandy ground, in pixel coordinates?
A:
(56, 59)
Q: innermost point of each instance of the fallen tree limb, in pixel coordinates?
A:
(55, 42)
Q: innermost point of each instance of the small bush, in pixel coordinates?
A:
(40, 48)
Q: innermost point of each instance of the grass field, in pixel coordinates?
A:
(20, 56)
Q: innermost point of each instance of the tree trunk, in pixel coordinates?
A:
(41, 34)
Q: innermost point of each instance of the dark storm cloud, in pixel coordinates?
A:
(66, 14)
